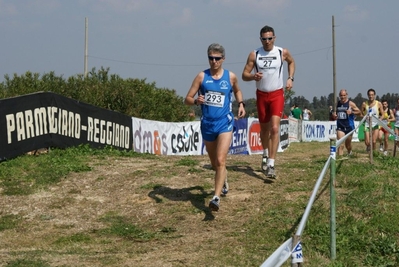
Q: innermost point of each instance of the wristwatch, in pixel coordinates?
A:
(291, 77)
(196, 102)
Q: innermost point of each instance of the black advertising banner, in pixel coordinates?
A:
(42, 120)
(284, 136)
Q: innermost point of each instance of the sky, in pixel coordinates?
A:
(166, 41)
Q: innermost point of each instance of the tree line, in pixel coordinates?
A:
(319, 107)
(132, 97)
(137, 98)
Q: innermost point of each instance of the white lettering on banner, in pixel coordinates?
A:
(315, 131)
(188, 141)
(239, 137)
(33, 123)
(108, 133)
(255, 139)
(53, 120)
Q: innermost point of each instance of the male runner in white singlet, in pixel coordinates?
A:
(265, 66)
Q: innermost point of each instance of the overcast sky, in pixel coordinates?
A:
(165, 41)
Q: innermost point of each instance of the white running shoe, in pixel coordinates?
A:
(214, 203)
(264, 163)
(270, 172)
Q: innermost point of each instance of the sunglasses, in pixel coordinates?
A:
(214, 58)
(266, 38)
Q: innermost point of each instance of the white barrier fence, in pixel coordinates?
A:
(311, 131)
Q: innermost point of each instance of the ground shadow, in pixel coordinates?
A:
(247, 170)
(197, 199)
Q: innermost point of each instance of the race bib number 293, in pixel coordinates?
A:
(214, 99)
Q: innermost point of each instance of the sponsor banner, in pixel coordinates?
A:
(41, 120)
(293, 131)
(284, 134)
(239, 142)
(254, 141)
(296, 255)
(166, 138)
(322, 131)
(315, 131)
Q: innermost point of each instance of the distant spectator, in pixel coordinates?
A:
(296, 112)
(306, 114)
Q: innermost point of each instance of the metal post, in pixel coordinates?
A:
(333, 229)
(334, 72)
(86, 46)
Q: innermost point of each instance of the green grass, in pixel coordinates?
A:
(9, 221)
(26, 174)
(122, 228)
(367, 211)
(27, 263)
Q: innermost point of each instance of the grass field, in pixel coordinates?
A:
(84, 207)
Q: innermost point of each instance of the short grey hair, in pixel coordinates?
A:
(217, 48)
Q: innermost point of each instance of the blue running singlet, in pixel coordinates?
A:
(217, 116)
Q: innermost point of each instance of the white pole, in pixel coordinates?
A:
(86, 46)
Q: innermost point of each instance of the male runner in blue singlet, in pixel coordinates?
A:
(345, 116)
(215, 88)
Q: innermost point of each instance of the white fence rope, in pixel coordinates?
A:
(285, 250)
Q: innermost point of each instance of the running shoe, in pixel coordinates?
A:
(385, 153)
(368, 148)
(381, 147)
(270, 172)
(225, 188)
(214, 203)
(264, 163)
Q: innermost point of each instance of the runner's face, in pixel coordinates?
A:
(215, 60)
(371, 96)
(343, 96)
(267, 40)
(385, 105)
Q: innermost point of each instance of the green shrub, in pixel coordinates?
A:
(133, 97)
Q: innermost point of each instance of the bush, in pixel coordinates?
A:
(133, 97)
